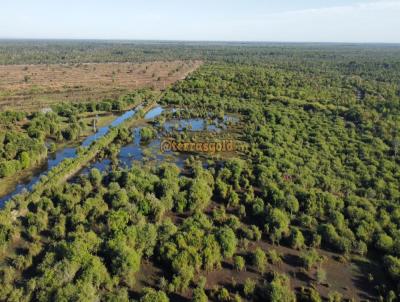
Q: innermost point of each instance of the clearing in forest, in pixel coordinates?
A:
(33, 87)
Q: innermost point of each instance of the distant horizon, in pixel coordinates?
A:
(291, 21)
(198, 41)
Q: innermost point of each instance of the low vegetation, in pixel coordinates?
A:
(35, 87)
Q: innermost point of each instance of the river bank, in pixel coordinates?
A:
(72, 156)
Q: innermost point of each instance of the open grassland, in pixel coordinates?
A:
(33, 87)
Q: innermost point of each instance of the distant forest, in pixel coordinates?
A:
(379, 61)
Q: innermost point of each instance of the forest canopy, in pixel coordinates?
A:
(308, 212)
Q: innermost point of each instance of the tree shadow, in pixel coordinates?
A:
(134, 295)
(302, 276)
(178, 298)
(292, 260)
(361, 281)
(227, 265)
(21, 251)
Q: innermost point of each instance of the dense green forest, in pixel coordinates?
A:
(313, 201)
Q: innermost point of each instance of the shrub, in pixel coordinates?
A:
(151, 295)
(274, 257)
(227, 240)
(296, 239)
(147, 133)
(249, 288)
(239, 263)
(199, 295)
(259, 259)
(310, 258)
(279, 290)
(334, 297)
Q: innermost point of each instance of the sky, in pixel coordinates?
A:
(204, 20)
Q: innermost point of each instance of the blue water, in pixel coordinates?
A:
(130, 153)
(103, 130)
(53, 160)
(69, 152)
(194, 124)
(199, 124)
(133, 152)
(153, 113)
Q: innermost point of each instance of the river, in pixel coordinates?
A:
(68, 152)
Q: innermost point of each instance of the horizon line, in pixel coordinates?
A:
(196, 41)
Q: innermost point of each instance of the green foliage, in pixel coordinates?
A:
(334, 297)
(199, 295)
(95, 177)
(384, 242)
(228, 242)
(310, 258)
(8, 168)
(118, 295)
(147, 133)
(332, 239)
(223, 295)
(296, 239)
(249, 288)
(309, 295)
(277, 224)
(392, 264)
(279, 290)
(259, 259)
(25, 160)
(192, 247)
(200, 193)
(151, 295)
(117, 220)
(274, 257)
(239, 263)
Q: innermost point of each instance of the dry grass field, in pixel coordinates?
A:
(32, 87)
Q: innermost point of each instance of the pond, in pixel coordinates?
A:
(137, 151)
